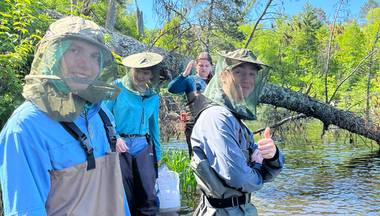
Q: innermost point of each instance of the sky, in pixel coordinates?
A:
(292, 7)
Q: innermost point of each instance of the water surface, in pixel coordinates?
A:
(328, 176)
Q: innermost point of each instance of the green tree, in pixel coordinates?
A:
(23, 23)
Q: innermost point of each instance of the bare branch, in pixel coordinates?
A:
(361, 62)
(257, 23)
(329, 49)
(370, 71)
(278, 124)
(195, 32)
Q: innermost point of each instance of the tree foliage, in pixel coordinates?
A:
(23, 23)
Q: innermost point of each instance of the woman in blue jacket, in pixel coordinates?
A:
(193, 86)
(136, 114)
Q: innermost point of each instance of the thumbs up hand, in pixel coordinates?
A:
(266, 146)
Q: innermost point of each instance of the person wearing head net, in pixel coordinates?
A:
(227, 163)
(136, 114)
(193, 86)
(58, 149)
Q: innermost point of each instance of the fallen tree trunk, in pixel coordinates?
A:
(173, 64)
(311, 107)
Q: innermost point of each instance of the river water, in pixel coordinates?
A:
(328, 176)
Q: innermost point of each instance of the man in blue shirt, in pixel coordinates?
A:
(57, 150)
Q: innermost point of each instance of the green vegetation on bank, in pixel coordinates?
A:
(22, 25)
(179, 161)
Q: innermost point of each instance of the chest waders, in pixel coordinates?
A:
(91, 188)
(217, 197)
(139, 177)
(195, 103)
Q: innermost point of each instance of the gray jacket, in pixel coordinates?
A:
(221, 165)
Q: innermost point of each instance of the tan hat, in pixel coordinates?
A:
(142, 60)
(240, 56)
(74, 28)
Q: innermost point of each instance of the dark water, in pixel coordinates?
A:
(328, 176)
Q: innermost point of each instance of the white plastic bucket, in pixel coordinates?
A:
(167, 186)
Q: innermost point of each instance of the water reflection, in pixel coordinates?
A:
(320, 177)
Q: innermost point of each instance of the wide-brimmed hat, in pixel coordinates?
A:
(142, 60)
(240, 56)
(77, 28)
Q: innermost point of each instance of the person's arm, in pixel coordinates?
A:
(154, 129)
(24, 173)
(225, 156)
(180, 84)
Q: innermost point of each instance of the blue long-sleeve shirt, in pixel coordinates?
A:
(31, 145)
(216, 137)
(136, 115)
(185, 84)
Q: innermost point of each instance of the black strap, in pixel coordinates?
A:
(75, 132)
(234, 201)
(111, 135)
(198, 86)
(154, 153)
(73, 129)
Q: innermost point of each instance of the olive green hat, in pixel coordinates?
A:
(239, 56)
(142, 60)
(77, 28)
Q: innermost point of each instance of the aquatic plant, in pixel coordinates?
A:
(179, 161)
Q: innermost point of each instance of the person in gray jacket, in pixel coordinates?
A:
(227, 163)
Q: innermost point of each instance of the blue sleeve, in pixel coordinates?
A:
(178, 85)
(24, 173)
(155, 131)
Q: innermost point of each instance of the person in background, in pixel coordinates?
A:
(227, 163)
(136, 113)
(193, 86)
(58, 149)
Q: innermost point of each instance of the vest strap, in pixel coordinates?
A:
(198, 86)
(75, 132)
(111, 135)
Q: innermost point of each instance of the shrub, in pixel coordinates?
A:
(22, 25)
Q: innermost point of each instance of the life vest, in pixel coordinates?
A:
(195, 101)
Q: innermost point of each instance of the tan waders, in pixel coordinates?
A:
(76, 191)
(92, 188)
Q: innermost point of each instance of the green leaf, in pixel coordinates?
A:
(6, 15)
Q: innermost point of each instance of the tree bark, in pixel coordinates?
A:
(172, 65)
(140, 20)
(111, 15)
(329, 115)
(73, 8)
